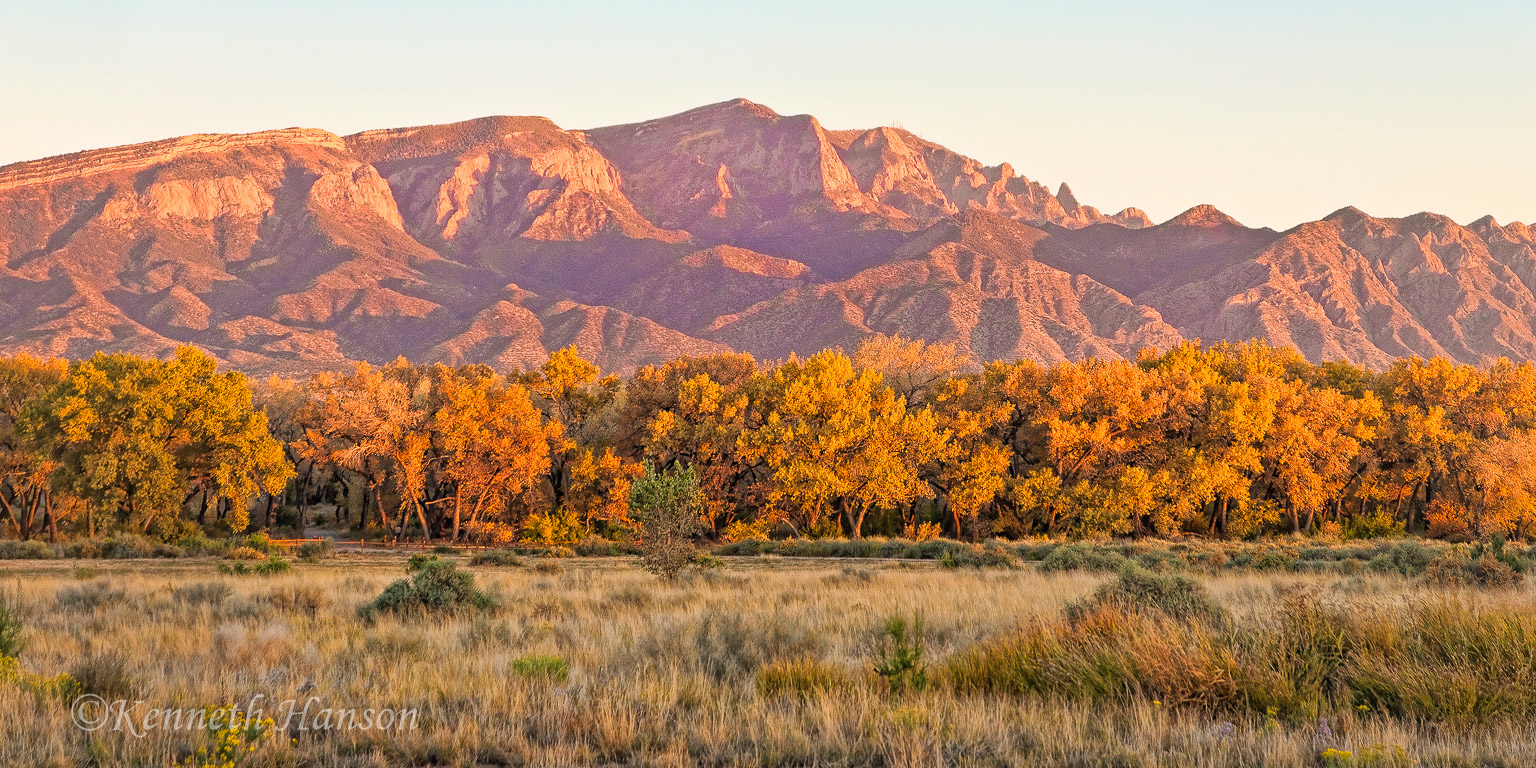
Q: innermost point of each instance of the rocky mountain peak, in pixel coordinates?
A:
(1203, 216)
(1067, 199)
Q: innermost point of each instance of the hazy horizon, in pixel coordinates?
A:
(1274, 115)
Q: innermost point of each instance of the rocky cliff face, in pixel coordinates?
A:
(724, 227)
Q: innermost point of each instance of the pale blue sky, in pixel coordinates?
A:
(1276, 112)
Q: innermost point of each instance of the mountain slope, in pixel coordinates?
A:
(726, 227)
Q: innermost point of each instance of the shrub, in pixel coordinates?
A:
(746, 547)
(1274, 559)
(1458, 567)
(537, 667)
(132, 546)
(62, 687)
(211, 593)
(299, 598)
(899, 660)
(260, 542)
(11, 549)
(419, 561)
(106, 675)
(560, 526)
(82, 549)
(10, 628)
(198, 544)
(1136, 590)
(1495, 548)
(596, 546)
(436, 587)
(89, 596)
(273, 565)
(245, 553)
(802, 677)
(315, 551)
(990, 555)
(1082, 557)
(501, 557)
(667, 505)
(1406, 558)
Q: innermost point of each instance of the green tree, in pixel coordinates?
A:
(668, 505)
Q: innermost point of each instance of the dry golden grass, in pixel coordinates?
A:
(658, 674)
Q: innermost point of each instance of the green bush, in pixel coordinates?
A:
(419, 561)
(437, 587)
(260, 542)
(1082, 557)
(900, 656)
(537, 667)
(82, 549)
(1138, 590)
(11, 549)
(501, 557)
(315, 551)
(667, 504)
(10, 628)
(273, 565)
(198, 544)
(1406, 558)
(132, 546)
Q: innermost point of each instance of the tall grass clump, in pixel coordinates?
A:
(541, 667)
(1446, 661)
(801, 678)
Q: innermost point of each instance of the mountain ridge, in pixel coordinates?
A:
(725, 227)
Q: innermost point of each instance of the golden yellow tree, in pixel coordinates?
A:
(834, 438)
(495, 445)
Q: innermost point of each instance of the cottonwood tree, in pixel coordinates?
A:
(495, 443)
(26, 494)
(837, 439)
(134, 438)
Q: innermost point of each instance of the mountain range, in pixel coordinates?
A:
(727, 227)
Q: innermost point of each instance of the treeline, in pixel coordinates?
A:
(900, 438)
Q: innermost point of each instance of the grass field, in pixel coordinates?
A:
(771, 661)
